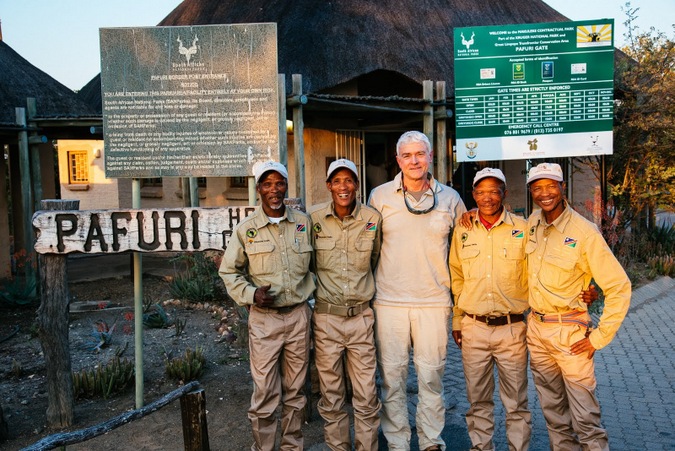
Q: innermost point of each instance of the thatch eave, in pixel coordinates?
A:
(21, 80)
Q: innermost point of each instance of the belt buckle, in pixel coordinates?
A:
(539, 316)
(350, 311)
(491, 318)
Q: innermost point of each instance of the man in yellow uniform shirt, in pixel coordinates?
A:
(347, 245)
(266, 267)
(489, 283)
(565, 251)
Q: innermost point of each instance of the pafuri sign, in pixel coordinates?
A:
(157, 230)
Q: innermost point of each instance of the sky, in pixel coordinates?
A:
(61, 37)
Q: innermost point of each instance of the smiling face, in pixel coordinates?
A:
(342, 186)
(272, 190)
(548, 195)
(414, 159)
(489, 194)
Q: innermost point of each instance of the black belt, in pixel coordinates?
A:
(498, 320)
(282, 310)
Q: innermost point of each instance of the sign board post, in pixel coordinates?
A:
(534, 90)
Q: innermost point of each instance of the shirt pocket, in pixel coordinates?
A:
(557, 274)
(512, 269)
(325, 253)
(361, 258)
(262, 259)
(471, 267)
(300, 258)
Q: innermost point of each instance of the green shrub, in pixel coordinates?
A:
(104, 381)
(187, 368)
(661, 265)
(156, 318)
(663, 238)
(103, 335)
(200, 280)
(18, 291)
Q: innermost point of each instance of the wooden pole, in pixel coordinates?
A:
(441, 135)
(298, 141)
(283, 141)
(36, 170)
(52, 319)
(193, 413)
(74, 437)
(26, 185)
(603, 192)
(5, 260)
(185, 186)
(428, 118)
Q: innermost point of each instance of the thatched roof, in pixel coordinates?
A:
(20, 80)
(331, 42)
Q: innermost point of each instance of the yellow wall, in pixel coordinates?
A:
(99, 193)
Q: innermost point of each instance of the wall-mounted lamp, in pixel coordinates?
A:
(289, 126)
(97, 153)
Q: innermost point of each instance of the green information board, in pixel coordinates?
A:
(534, 90)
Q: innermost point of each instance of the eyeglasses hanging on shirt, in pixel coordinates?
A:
(413, 210)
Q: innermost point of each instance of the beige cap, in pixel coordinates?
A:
(339, 164)
(265, 166)
(488, 172)
(551, 171)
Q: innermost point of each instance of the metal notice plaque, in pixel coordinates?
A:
(197, 101)
(534, 90)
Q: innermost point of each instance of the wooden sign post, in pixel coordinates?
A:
(52, 319)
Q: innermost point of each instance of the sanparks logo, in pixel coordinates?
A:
(190, 55)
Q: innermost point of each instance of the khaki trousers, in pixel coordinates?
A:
(484, 346)
(425, 329)
(566, 386)
(279, 353)
(334, 336)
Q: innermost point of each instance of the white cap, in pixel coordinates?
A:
(265, 166)
(551, 171)
(339, 164)
(488, 172)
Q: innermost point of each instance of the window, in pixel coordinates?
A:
(239, 182)
(78, 167)
(151, 182)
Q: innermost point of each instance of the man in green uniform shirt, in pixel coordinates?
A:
(347, 245)
(266, 267)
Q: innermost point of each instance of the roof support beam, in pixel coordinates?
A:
(298, 141)
(428, 116)
(441, 135)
